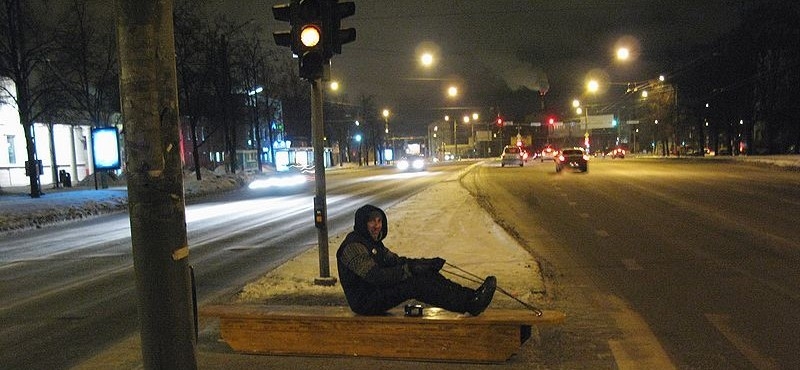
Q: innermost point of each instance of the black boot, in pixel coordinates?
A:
(483, 296)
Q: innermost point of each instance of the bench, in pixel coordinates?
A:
(438, 335)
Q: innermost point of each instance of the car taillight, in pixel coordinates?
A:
(561, 158)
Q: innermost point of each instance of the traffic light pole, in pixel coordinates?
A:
(320, 201)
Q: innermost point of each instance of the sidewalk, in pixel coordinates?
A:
(442, 221)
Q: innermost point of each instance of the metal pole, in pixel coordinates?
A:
(320, 201)
(455, 138)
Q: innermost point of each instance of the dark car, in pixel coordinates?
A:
(411, 163)
(574, 158)
(617, 153)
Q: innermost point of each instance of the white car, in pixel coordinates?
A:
(512, 155)
(548, 153)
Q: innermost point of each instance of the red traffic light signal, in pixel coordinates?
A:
(499, 122)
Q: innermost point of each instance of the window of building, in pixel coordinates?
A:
(12, 151)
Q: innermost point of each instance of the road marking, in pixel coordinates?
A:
(722, 323)
(573, 204)
(602, 233)
(583, 215)
(639, 348)
(631, 264)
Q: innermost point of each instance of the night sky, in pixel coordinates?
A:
(503, 52)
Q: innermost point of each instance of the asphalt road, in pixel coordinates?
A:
(68, 291)
(659, 263)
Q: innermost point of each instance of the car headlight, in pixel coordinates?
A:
(418, 164)
(402, 165)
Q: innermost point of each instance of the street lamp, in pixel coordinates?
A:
(455, 140)
(385, 114)
(386, 120)
(623, 53)
(426, 59)
(592, 86)
(257, 130)
(452, 92)
(475, 117)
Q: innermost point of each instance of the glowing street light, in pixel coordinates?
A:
(452, 91)
(592, 86)
(386, 120)
(426, 59)
(623, 53)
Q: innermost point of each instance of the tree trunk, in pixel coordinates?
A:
(149, 102)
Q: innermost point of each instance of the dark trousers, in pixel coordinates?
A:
(433, 289)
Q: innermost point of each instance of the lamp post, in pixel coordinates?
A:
(257, 131)
(385, 114)
(452, 91)
(475, 117)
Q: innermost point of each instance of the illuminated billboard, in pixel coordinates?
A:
(105, 148)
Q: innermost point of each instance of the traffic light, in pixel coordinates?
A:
(499, 122)
(285, 13)
(334, 35)
(310, 34)
(307, 18)
(551, 121)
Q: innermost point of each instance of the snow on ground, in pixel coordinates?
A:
(18, 211)
(443, 221)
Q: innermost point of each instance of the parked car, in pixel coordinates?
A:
(512, 155)
(548, 153)
(574, 158)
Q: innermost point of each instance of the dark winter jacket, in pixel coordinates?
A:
(366, 265)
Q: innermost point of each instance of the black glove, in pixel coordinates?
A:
(425, 266)
(436, 263)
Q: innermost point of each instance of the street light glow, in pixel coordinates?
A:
(593, 86)
(385, 113)
(452, 91)
(623, 53)
(426, 59)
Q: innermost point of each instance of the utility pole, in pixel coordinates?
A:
(149, 102)
(320, 197)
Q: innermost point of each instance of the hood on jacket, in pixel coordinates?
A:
(363, 215)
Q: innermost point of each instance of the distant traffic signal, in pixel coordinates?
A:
(551, 121)
(499, 122)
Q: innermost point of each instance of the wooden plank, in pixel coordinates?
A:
(516, 316)
(439, 335)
